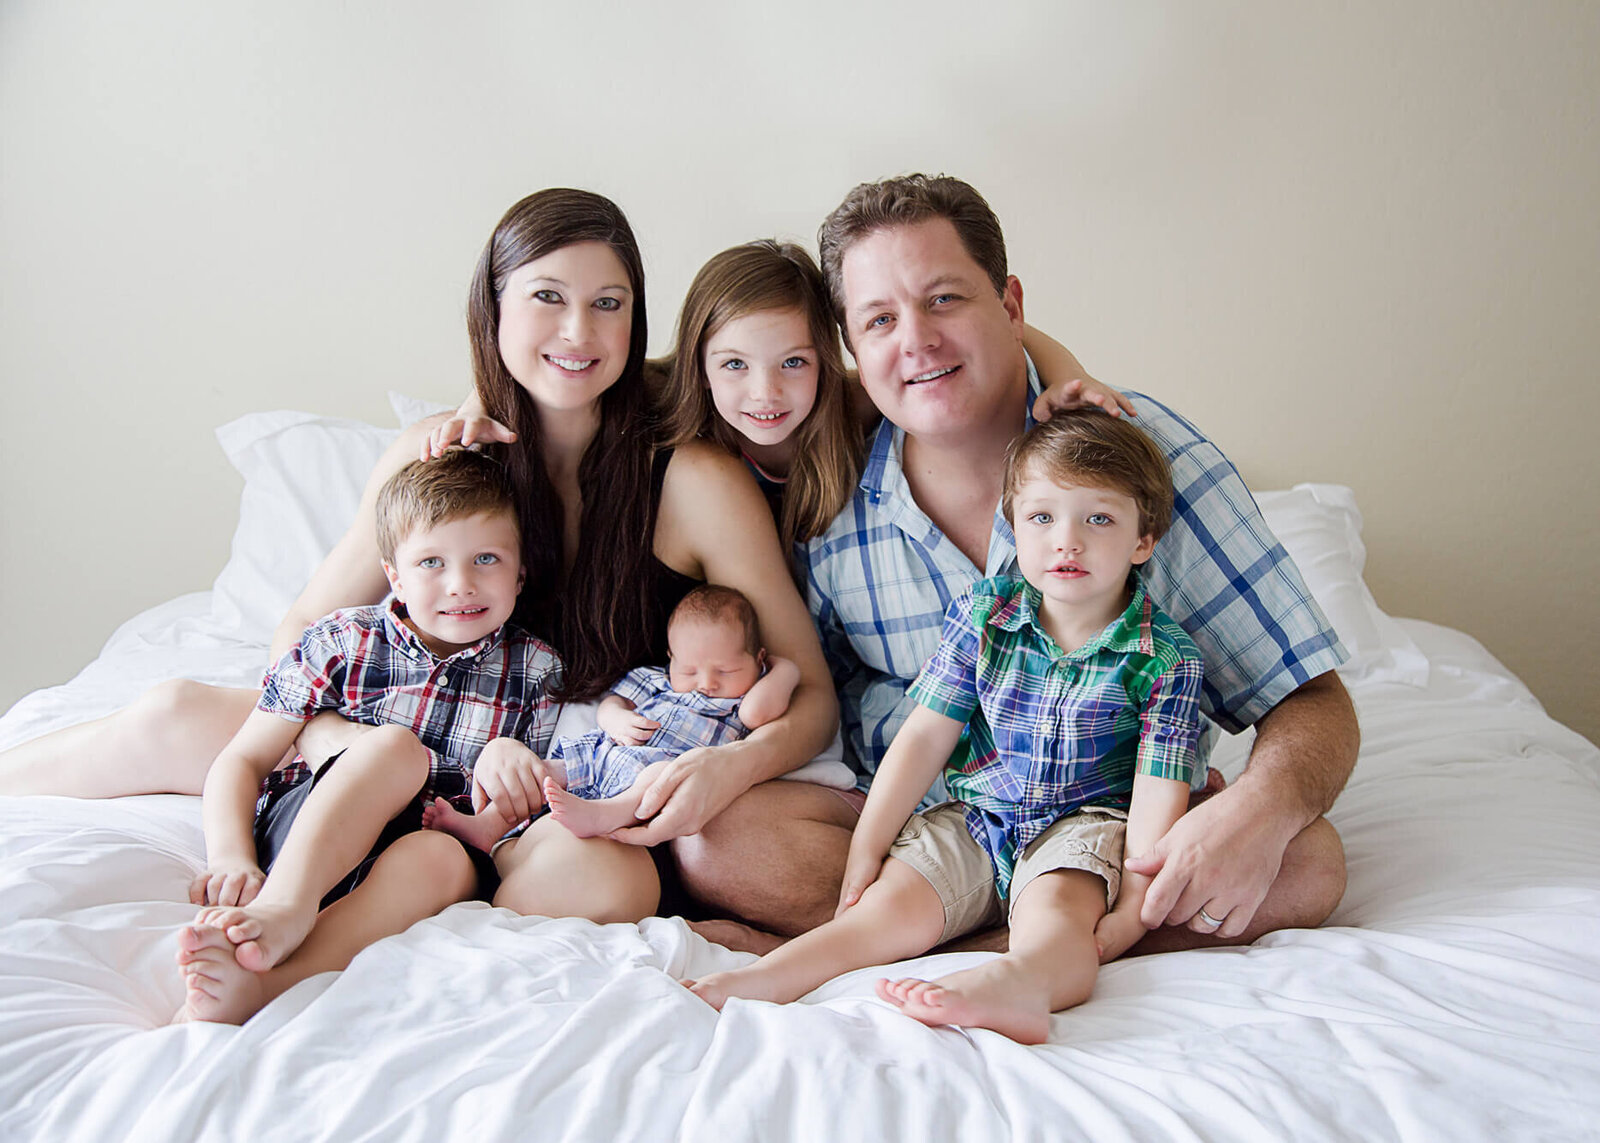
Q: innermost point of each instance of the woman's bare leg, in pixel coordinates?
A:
(162, 744)
(548, 872)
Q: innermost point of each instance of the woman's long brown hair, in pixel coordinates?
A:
(600, 616)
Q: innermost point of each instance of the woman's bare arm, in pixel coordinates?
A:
(714, 524)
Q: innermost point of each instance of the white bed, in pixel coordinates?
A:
(1455, 993)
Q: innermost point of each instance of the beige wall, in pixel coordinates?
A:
(1356, 242)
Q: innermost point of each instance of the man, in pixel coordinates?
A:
(917, 270)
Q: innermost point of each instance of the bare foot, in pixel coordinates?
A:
(996, 995)
(738, 937)
(745, 983)
(480, 830)
(262, 932)
(585, 818)
(217, 988)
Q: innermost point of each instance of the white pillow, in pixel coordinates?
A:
(1320, 527)
(412, 409)
(303, 476)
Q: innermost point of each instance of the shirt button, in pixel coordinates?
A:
(444, 680)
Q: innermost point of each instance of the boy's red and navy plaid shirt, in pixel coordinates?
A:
(365, 664)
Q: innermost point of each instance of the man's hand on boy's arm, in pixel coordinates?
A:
(1156, 805)
(232, 876)
(622, 723)
(468, 425)
(770, 695)
(510, 776)
(1224, 854)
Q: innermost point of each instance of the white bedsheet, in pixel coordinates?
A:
(1455, 994)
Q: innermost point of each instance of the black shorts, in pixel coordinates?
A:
(281, 805)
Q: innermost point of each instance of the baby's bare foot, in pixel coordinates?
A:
(995, 995)
(584, 818)
(479, 830)
(216, 987)
(263, 932)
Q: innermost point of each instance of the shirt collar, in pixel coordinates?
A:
(394, 613)
(1126, 634)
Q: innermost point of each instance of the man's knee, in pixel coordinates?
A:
(1314, 863)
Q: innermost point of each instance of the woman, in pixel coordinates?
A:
(614, 529)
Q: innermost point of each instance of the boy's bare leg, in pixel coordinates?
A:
(416, 877)
(162, 744)
(480, 830)
(899, 915)
(549, 872)
(592, 817)
(1051, 965)
(372, 781)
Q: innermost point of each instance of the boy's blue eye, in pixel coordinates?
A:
(1040, 518)
(430, 562)
(1099, 518)
(547, 296)
(484, 558)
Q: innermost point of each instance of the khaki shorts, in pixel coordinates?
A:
(938, 845)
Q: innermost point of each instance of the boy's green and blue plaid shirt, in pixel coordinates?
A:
(1049, 732)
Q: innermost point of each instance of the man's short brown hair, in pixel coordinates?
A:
(427, 493)
(717, 603)
(1090, 447)
(900, 202)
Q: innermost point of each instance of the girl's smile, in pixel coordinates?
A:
(762, 372)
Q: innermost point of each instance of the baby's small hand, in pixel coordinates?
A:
(630, 728)
(227, 883)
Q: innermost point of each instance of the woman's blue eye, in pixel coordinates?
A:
(547, 296)
(485, 558)
(608, 303)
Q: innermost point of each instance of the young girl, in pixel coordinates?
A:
(757, 368)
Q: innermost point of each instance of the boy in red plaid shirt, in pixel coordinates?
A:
(306, 869)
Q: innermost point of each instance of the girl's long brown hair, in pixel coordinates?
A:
(755, 277)
(600, 615)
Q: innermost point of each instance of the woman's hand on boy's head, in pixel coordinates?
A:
(1078, 392)
(464, 432)
(227, 883)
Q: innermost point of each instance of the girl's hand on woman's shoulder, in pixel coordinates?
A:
(1077, 393)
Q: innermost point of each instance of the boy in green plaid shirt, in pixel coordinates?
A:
(1067, 706)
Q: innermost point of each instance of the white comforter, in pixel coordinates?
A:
(1453, 995)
